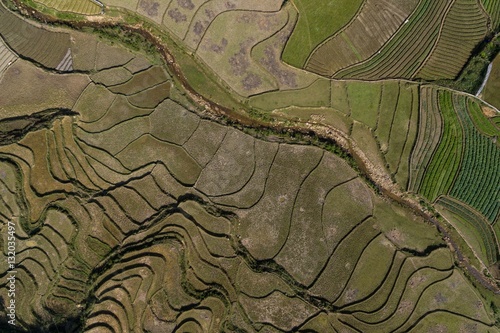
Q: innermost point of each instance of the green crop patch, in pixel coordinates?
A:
(317, 21)
(477, 232)
(389, 62)
(493, 9)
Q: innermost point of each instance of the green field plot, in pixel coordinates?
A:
(464, 163)
(403, 131)
(364, 138)
(43, 46)
(389, 109)
(85, 7)
(374, 25)
(478, 177)
(206, 13)
(339, 99)
(317, 21)
(493, 9)
(490, 93)
(396, 126)
(476, 231)
(407, 50)
(463, 28)
(389, 100)
(496, 121)
(447, 156)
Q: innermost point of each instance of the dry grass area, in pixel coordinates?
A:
(25, 88)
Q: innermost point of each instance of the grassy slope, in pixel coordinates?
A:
(316, 23)
(491, 89)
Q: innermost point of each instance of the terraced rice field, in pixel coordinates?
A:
(460, 167)
(490, 94)
(46, 90)
(7, 57)
(476, 229)
(460, 161)
(429, 133)
(196, 252)
(244, 65)
(493, 9)
(425, 39)
(389, 62)
(455, 31)
(136, 214)
(446, 158)
(380, 112)
(365, 34)
(85, 7)
(478, 177)
(48, 48)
